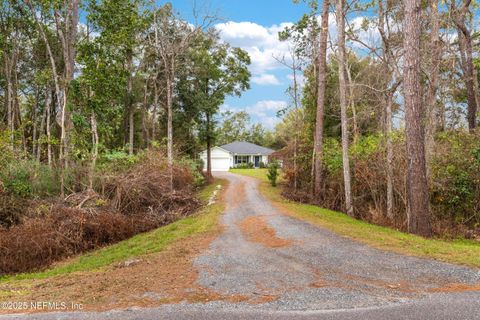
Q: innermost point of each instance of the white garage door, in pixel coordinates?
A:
(220, 164)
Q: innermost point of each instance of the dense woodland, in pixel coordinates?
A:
(96, 95)
(390, 110)
(105, 106)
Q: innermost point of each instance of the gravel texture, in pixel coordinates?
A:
(319, 270)
(318, 275)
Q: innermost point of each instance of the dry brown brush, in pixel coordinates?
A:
(454, 182)
(145, 189)
(136, 201)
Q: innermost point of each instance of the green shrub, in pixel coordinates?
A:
(28, 178)
(262, 165)
(16, 179)
(332, 155)
(365, 146)
(272, 173)
(45, 181)
(6, 154)
(248, 165)
(117, 161)
(455, 173)
(196, 168)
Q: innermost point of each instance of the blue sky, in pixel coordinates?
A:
(253, 25)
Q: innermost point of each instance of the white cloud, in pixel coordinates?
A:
(260, 42)
(369, 35)
(266, 79)
(300, 79)
(269, 105)
(270, 122)
(263, 45)
(263, 111)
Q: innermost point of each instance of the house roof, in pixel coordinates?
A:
(243, 147)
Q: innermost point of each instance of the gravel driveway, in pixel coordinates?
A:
(277, 267)
(316, 269)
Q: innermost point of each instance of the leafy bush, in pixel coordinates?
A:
(365, 146)
(272, 173)
(196, 168)
(117, 161)
(28, 178)
(248, 165)
(332, 155)
(6, 153)
(262, 165)
(19, 185)
(45, 181)
(455, 173)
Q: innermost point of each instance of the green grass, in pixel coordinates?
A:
(256, 173)
(454, 251)
(140, 245)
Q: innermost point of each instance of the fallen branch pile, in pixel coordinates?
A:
(134, 202)
(146, 189)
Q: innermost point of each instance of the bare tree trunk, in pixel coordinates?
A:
(93, 121)
(41, 132)
(155, 80)
(466, 53)
(351, 100)
(433, 85)
(48, 112)
(390, 89)
(322, 82)
(67, 32)
(131, 111)
(470, 82)
(9, 103)
(17, 115)
(312, 173)
(388, 133)
(314, 93)
(209, 152)
(60, 93)
(295, 155)
(35, 126)
(145, 130)
(63, 149)
(294, 96)
(155, 109)
(340, 5)
(477, 93)
(170, 78)
(131, 130)
(10, 97)
(295, 141)
(418, 198)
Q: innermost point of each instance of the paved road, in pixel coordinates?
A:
(276, 267)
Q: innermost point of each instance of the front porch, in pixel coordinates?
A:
(256, 160)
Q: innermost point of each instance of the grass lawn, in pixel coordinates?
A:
(455, 251)
(142, 244)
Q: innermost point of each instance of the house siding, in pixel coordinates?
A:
(216, 153)
(221, 157)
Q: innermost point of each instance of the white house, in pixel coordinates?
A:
(232, 154)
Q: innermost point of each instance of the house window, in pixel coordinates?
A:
(241, 159)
